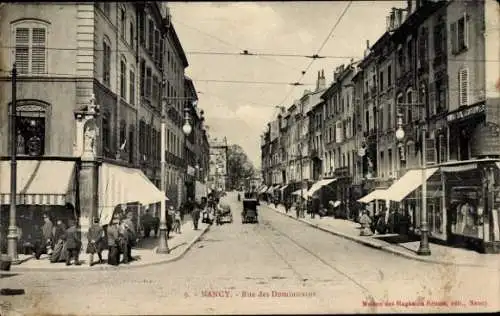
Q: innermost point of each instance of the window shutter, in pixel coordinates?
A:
(162, 51)
(463, 80)
(466, 31)
(22, 50)
(131, 87)
(454, 37)
(157, 46)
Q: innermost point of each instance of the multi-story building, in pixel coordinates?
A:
(218, 170)
(197, 148)
(88, 108)
(425, 95)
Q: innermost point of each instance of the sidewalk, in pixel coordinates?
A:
(144, 253)
(440, 254)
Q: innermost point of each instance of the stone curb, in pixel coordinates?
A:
(376, 245)
(18, 268)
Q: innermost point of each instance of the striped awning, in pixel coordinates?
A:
(39, 182)
(121, 185)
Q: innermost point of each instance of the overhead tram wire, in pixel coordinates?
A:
(229, 44)
(248, 53)
(319, 50)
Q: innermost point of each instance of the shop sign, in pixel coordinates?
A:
(466, 112)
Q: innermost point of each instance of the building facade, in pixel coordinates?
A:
(425, 95)
(91, 81)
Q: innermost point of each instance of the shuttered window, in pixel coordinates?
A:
(157, 46)
(151, 34)
(459, 32)
(106, 60)
(123, 79)
(31, 50)
(131, 88)
(463, 86)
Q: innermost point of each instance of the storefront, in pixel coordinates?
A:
(462, 200)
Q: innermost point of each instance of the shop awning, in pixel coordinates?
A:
(407, 184)
(377, 194)
(283, 187)
(318, 185)
(121, 185)
(298, 193)
(263, 190)
(39, 182)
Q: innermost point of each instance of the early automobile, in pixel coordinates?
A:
(249, 214)
(224, 215)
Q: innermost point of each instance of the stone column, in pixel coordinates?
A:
(86, 149)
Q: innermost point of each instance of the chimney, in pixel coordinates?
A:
(367, 50)
(317, 80)
(321, 84)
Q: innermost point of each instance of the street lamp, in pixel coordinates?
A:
(423, 249)
(186, 128)
(163, 242)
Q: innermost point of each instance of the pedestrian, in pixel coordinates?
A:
(95, 238)
(130, 236)
(60, 248)
(113, 233)
(195, 215)
(365, 222)
(170, 220)
(177, 221)
(147, 223)
(73, 243)
(47, 244)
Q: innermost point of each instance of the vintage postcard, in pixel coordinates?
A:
(209, 158)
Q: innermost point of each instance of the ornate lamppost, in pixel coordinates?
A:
(423, 249)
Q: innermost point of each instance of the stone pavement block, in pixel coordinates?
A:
(440, 253)
(144, 253)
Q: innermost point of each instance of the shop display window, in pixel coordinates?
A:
(466, 211)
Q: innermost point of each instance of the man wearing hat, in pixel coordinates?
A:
(73, 243)
(95, 237)
(113, 241)
(130, 236)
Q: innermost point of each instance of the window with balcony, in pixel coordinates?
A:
(390, 123)
(106, 61)
(30, 47)
(409, 53)
(401, 61)
(441, 99)
(142, 138)
(123, 78)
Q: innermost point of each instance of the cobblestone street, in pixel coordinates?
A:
(239, 268)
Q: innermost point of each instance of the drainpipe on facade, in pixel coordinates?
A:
(118, 86)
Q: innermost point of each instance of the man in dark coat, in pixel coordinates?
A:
(195, 215)
(114, 242)
(147, 223)
(73, 243)
(95, 245)
(130, 236)
(47, 232)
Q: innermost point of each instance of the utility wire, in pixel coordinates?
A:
(194, 79)
(243, 53)
(319, 50)
(229, 44)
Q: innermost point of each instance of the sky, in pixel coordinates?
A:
(241, 111)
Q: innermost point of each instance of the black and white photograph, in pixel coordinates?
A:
(249, 157)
